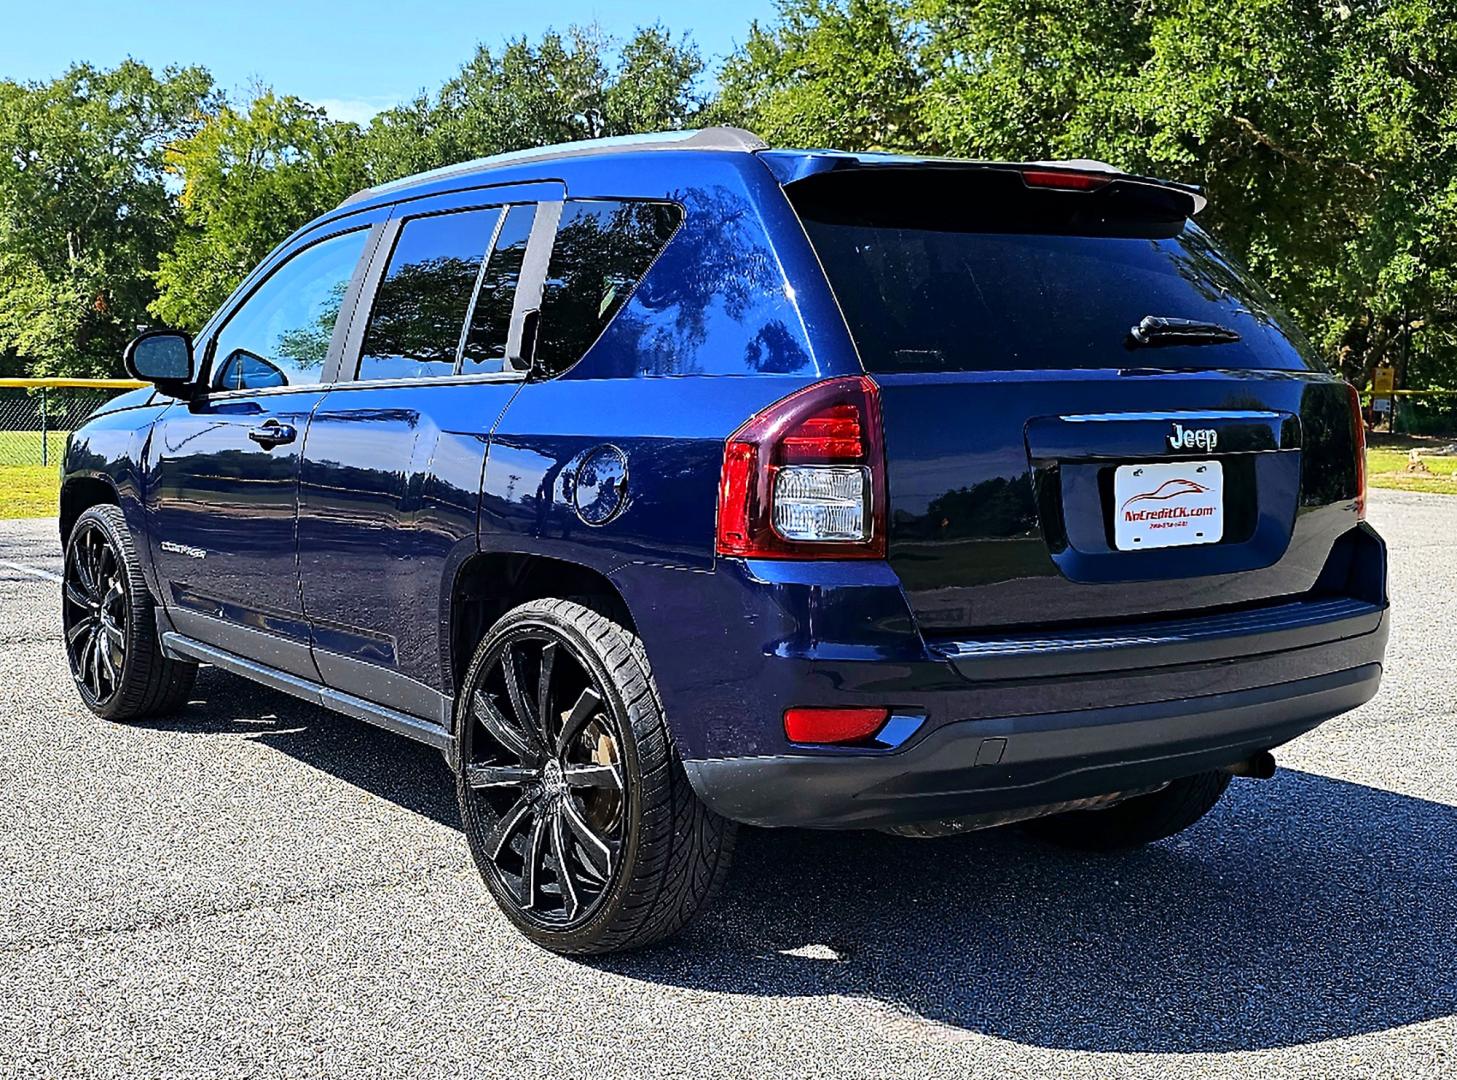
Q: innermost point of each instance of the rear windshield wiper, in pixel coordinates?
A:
(1155, 330)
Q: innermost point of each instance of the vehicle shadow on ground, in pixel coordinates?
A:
(1302, 909)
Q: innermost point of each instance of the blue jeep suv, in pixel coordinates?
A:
(677, 482)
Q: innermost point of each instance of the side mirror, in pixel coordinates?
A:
(163, 357)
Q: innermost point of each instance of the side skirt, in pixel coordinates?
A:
(181, 647)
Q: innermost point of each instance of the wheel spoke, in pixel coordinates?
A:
(78, 628)
(559, 850)
(501, 730)
(587, 705)
(114, 635)
(599, 854)
(594, 776)
(496, 776)
(505, 826)
(93, 647)
(77, 597)
(535, 852)
(543, 683)
(520, 704)
(108, 666)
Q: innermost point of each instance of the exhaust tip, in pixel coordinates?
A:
(1260, 766)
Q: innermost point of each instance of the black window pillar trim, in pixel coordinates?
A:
(530, 285)
(365, 279)
(343, 366)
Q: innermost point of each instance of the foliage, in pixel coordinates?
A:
(84, 207)
(249, 178)
(1325, 133)
(562, 89)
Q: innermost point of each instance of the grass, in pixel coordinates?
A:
(23, 447)
(28, 490)
(1388, 457)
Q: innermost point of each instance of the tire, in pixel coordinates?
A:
(110, 627)
(1136, 821)
(603, 764)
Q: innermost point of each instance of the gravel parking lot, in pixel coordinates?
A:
(260, 887)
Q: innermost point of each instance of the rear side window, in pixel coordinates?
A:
(943, 272)
(421, 305)
(490, 323)
(281, 334)
(602, 250)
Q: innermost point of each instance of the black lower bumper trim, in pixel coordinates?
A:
(1043, 758)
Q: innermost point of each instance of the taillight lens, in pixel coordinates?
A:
(1358, 423)
(805, 478)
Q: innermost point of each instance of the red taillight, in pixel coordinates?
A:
(813, 724)
(805, 478)
(831, 435)
(1064, 181)
(1358, 423)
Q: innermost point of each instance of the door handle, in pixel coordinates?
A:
(271, 433)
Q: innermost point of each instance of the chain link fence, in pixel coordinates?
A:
(36, 415)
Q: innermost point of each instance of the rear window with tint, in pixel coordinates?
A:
(602, 250)
(946, 272)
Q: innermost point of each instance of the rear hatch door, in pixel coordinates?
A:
(1046, 466)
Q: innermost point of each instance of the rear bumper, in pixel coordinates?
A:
(982, 766)
(991, 724)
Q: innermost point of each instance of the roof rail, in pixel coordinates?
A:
(711, 138)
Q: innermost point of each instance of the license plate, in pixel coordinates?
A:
(1169, 504)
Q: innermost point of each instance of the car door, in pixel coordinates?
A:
(391, 470)
(223, 468)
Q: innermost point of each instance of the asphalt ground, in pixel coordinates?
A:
(258, 887)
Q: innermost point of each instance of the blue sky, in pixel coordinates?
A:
(354, 59)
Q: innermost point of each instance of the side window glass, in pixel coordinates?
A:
(602, 249)
(280, 336)
(485, 344)
(421, 305)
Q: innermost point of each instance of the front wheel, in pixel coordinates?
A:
(110, 625)
(574, 802)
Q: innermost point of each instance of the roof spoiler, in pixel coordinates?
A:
(1078, 174)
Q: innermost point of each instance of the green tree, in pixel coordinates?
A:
(249, 178)
(85, 210)
(560, 89)
(1323, 131)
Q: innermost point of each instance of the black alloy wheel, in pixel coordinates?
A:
(545, 764)
(96, 614)
(573, 799)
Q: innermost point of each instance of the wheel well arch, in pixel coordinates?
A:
(81, 493)
(490, 584)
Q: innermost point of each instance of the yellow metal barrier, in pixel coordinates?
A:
(37, 414)
(72, 384)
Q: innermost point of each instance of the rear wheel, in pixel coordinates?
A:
(1136, 821)
(574, 803)
(110, 627)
